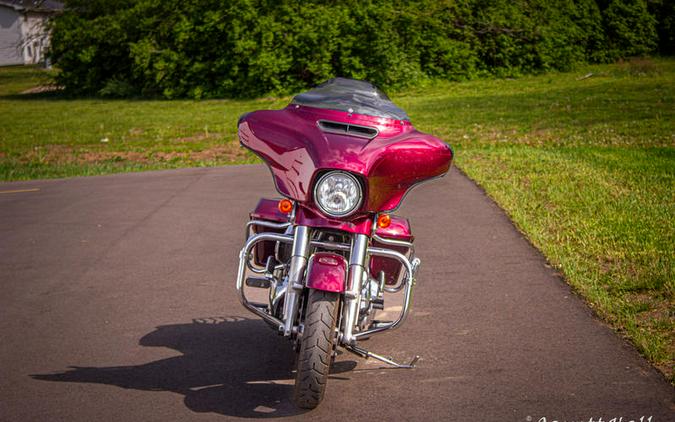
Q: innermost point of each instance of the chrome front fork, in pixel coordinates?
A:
(296, 274)
(357, 271)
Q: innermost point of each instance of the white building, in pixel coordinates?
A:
(23, 33)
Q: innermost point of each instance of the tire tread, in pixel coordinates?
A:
(316, 348)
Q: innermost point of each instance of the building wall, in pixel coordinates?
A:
(34, 38)
(10, 37)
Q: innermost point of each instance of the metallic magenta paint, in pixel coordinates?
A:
(327, 271)
(296, 150)
(266, 210)
(307, 216)
(399, 229)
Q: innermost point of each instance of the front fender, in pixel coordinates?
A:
(327, 271)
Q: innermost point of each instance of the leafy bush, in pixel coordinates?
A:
(664, 12)
(629, 28)
(236, 48)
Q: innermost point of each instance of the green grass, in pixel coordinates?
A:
(584, 166)
(44, 135)
(586, 169)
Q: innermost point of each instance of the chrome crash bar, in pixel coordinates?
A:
(407, 283)
(258, 309)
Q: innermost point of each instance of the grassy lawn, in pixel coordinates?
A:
(584, 165)
(43, 135)
(586, 169)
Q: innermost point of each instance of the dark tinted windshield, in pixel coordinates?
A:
(353, 96)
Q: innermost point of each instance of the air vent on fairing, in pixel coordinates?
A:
(347, 129)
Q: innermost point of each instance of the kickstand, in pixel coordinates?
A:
(366, 354)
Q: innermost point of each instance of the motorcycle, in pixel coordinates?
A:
(326, 255)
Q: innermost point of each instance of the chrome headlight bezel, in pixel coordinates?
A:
(359, 190)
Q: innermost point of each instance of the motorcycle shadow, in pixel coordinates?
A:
(229, 366)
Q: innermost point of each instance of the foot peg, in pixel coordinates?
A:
(260, 283)
(366, 354)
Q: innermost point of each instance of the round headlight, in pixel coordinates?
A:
(338, 193)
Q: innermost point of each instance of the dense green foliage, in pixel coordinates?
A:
(229, 48)
(664, 12)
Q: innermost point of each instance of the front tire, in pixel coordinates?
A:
(316, 348)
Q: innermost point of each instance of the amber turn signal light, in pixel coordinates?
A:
(383, 221)
(285, 206)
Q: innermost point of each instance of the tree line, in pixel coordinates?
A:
(248, 48)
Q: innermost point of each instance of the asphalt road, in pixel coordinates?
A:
(118, 303)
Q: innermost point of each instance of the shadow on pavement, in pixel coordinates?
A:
(230, 366)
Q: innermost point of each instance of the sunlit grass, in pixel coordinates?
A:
(604, 217)
(585, 166)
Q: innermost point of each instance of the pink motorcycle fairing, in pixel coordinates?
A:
(297, 151)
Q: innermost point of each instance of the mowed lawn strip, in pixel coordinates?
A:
(604, 217)
(583, 162)
(43, 135)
